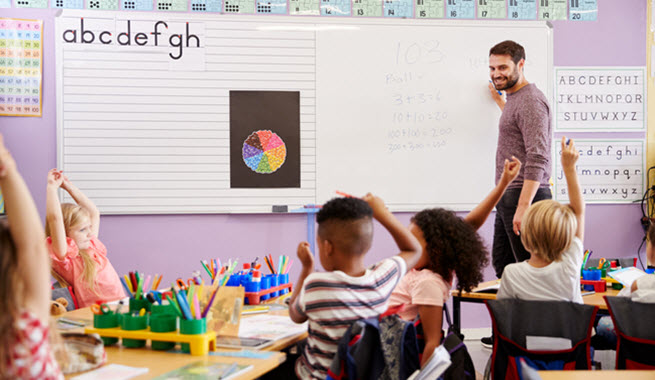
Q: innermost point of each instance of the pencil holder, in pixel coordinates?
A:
(192, 327)
(234, 280)
(162, 309)
(266, 284)
(106, 321)
(138, 304)
(130, 322)
(163, 323)
(590, 274)
(650, 270)
(284, 279)
(275, 281)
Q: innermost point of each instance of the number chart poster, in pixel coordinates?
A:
(21, 52)
(609, 171)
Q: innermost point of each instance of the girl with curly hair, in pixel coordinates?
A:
(451, 248)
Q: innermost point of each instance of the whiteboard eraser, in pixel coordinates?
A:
(280, 208)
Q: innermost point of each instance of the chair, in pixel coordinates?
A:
(634, 323)
(515, 322)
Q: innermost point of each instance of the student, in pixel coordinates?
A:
(642, 290)
(348, 291)
(25, 349)
(451, 246)
(553, 234)
(77, 254)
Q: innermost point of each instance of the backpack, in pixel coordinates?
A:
(461, 367)
(384, 347)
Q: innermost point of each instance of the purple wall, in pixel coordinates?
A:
(173, 244)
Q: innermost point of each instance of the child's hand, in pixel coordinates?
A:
(511, 170)
(7, 162)
(305, 255)
(376, 203)
(66, 183)
(55, 178)
(569, 154)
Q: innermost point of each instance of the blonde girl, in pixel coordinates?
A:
(25, 350)
(72, 239)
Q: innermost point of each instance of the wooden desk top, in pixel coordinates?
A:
(595, 299)
(597, 375)
(160, 362)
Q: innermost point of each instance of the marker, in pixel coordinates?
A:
(345, 194)
(568, 141)
(498, 91)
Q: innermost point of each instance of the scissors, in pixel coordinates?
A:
(184, 286)
(100, 309)
(602, 263)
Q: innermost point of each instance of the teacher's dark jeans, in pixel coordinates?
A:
(507, 247)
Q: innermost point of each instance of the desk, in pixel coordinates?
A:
(595, 299)
(597, 375)
(160, 362)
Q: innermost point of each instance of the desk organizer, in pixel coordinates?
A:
(254, 298)
(599, 285)
(259, 289)
(199, 345)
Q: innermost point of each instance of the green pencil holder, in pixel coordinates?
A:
(163, 323)
(162, 309)
(130, 322)
(138, 304)
(106, 321)
(192, 327)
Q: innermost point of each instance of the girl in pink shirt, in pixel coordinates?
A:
(77, 254)
(451, 247)
(25, 348)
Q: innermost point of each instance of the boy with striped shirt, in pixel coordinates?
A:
(347, 291)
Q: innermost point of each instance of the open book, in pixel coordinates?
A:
(627, 276)
(437, 364)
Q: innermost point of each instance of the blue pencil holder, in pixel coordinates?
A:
(234, 280)
(284, 279)
(590, 274)
(251, 287)
(266, 284)
(275, 281)
(650, 270)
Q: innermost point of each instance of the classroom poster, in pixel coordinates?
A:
(21, 52)
(607, 99)
(264, 139)
(609, 170)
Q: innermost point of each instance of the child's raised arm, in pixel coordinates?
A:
(85, 203)
(307, 261)
(480, 213)
(28, 236)
(569, 157)
(410, 248)
(53, 215)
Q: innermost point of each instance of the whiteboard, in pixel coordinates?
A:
(396, 107)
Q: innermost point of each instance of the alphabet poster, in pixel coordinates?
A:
(609, 171)
(21, 52)
(607, 99)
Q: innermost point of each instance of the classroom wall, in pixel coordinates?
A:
(173, 244)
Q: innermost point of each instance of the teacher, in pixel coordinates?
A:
(525, 132)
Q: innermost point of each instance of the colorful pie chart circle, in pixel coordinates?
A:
(264, 152)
